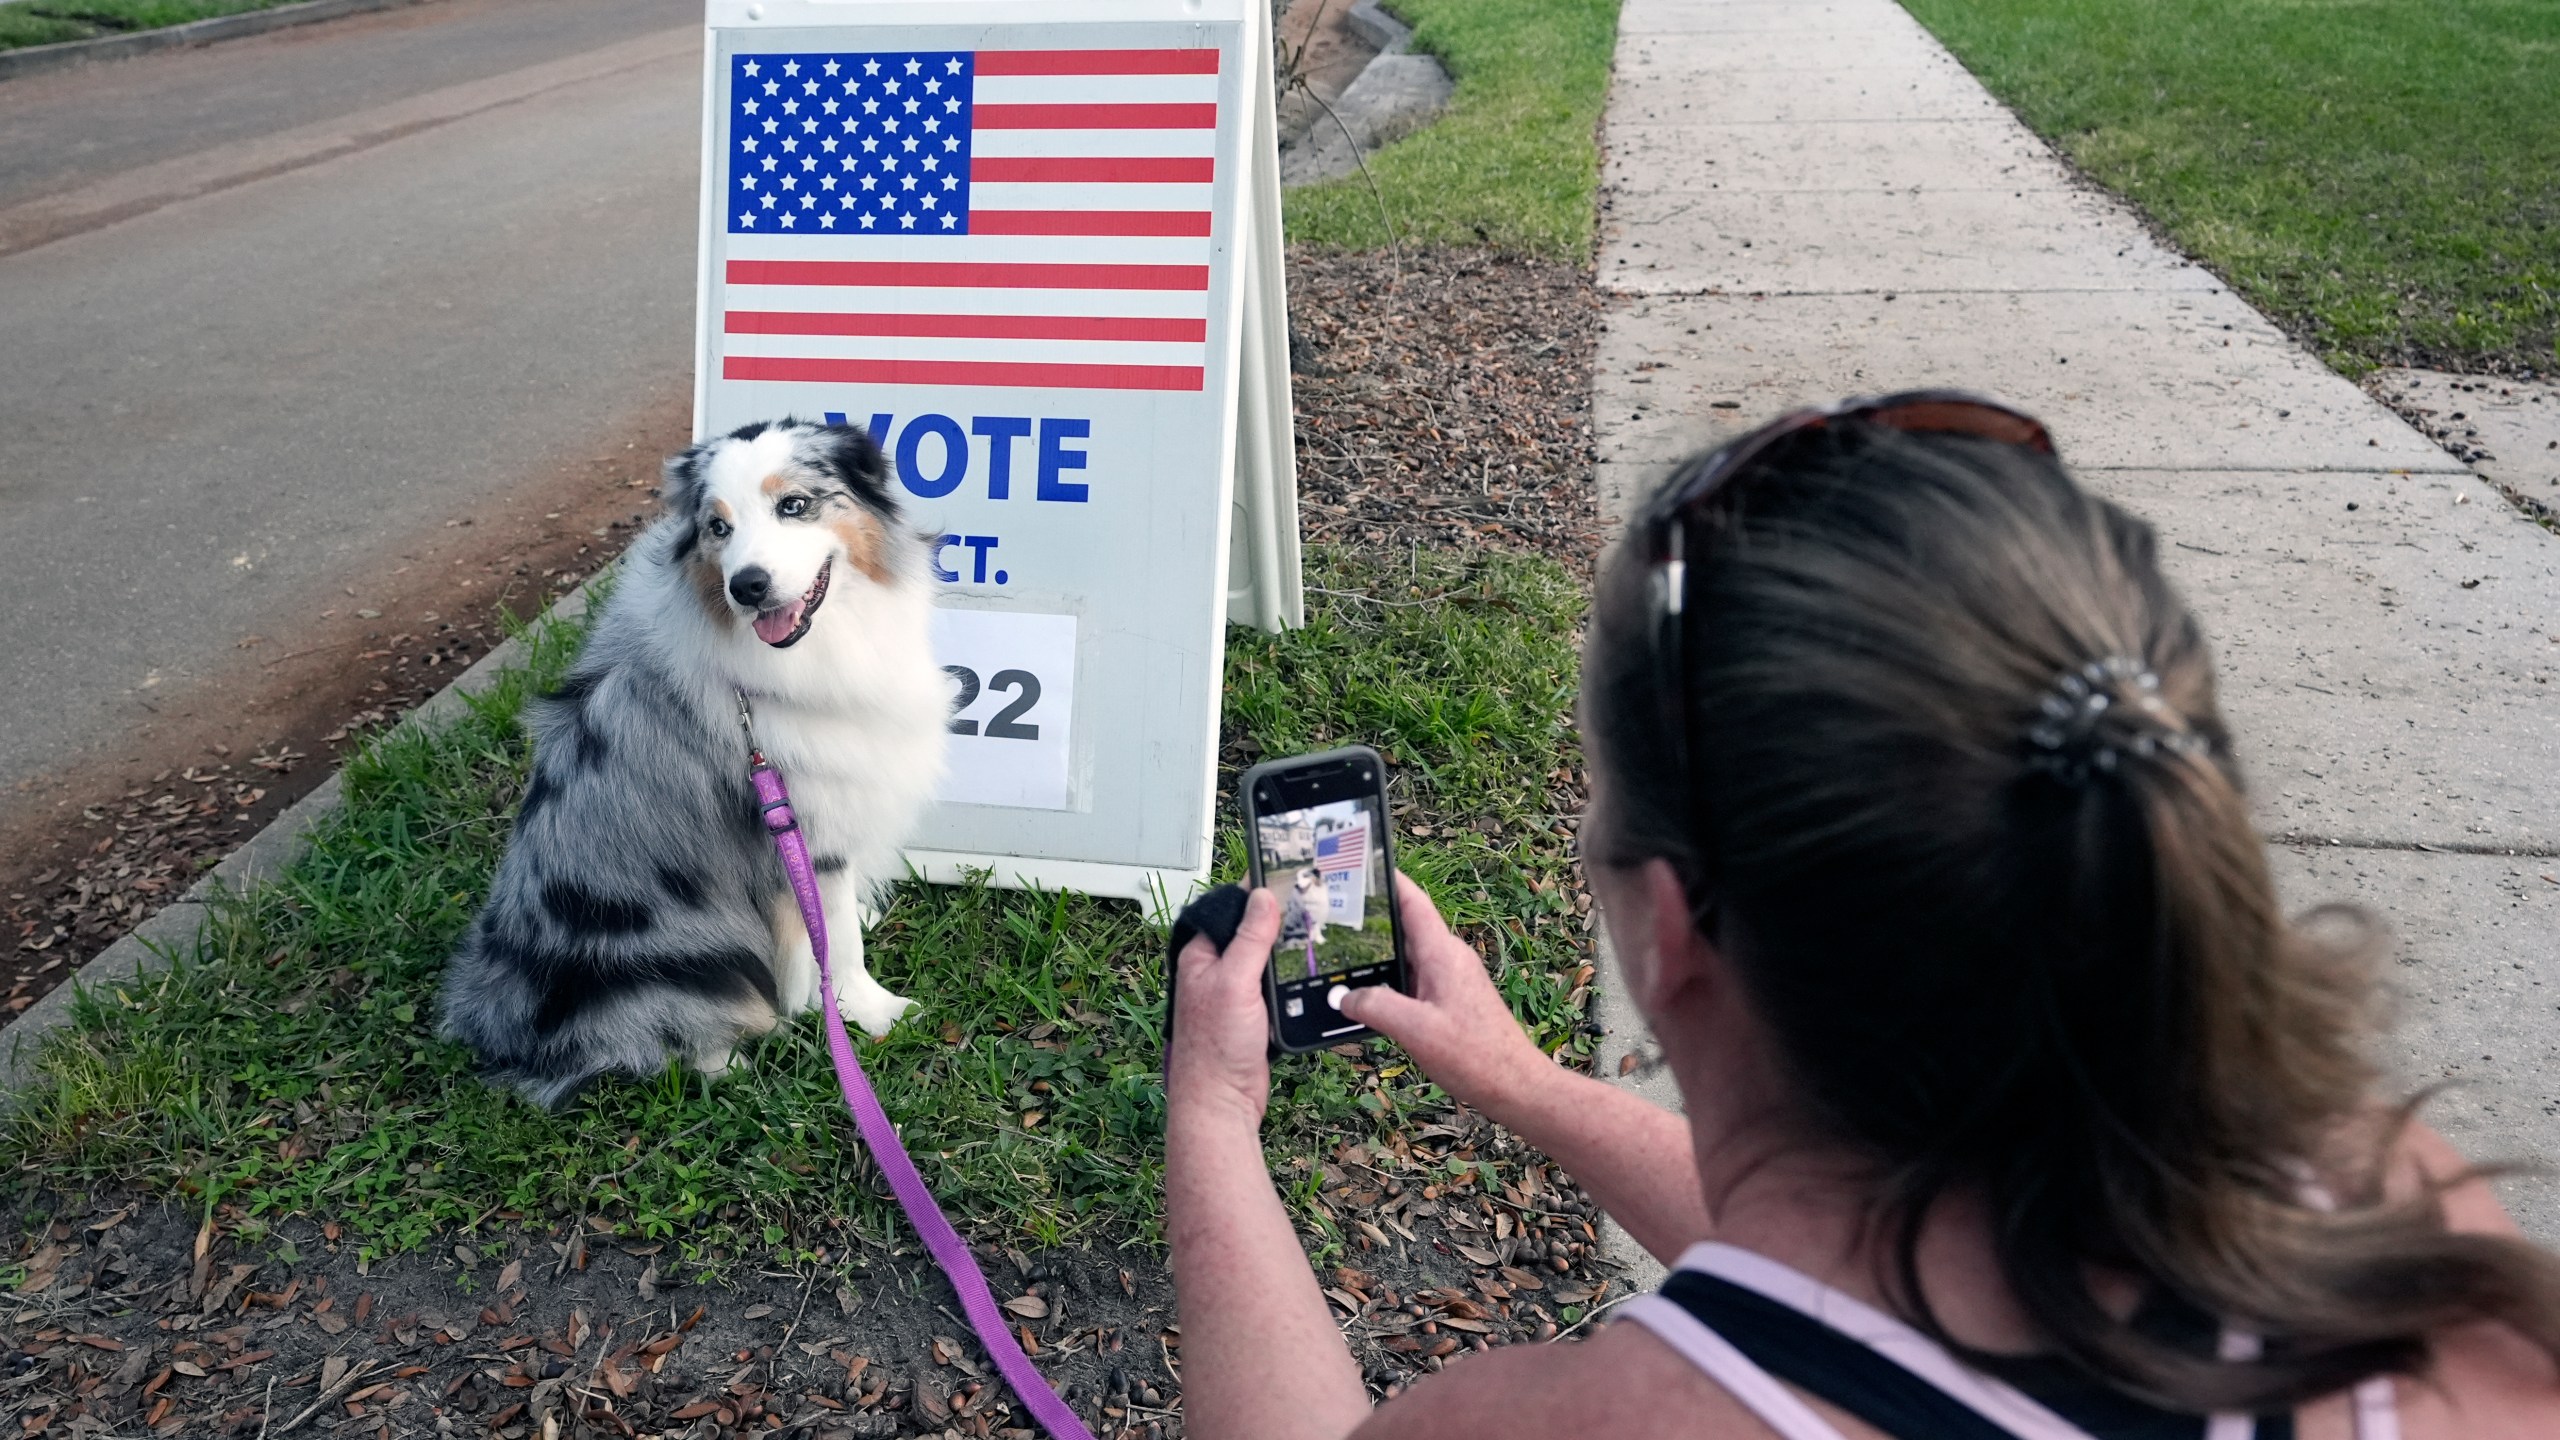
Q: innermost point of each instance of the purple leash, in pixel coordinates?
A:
(944, 1243)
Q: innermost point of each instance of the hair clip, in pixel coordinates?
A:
(2067, 732)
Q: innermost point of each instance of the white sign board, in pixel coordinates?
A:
(1031, 248)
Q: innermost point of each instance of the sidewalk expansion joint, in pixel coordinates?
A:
(2450, 469)
(1722, 292)
(1904, 123)
(2457, 847)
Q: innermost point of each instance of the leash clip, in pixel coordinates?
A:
(772, 799)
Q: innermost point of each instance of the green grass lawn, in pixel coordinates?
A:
(293, 1070)
(1514, 161)
(2384, 175)
(44, 22)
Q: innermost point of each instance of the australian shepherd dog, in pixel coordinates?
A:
(641, 913)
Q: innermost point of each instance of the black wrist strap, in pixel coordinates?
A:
(1216, 915)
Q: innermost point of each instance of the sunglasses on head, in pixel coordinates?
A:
(1913, 412)
(1665, 521)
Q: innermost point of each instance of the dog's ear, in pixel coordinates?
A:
(850, 454)
(685, 471)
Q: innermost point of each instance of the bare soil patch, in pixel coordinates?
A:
(1320, 55)
(97, 849)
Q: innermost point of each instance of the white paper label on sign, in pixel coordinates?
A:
(1013, 698)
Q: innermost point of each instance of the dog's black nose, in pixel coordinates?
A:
(750, 586)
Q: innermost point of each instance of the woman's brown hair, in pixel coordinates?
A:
(2013, 940)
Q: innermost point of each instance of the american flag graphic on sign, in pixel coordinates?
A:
(1344, 850)
(991, 217)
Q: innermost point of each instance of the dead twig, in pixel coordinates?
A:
(355, 1376)
(268, 1416)
(1374, 600)
(1395, 242)
(772, 1368)
(1594, 1313)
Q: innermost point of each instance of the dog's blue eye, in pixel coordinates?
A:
(719, 528)
(793, 506)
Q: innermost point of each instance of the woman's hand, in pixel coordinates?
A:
(1454, 1024)
(1220, 1062)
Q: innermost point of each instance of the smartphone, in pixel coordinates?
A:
(1316, 827)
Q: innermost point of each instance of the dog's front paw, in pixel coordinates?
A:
(872, 1008)
(795, 979)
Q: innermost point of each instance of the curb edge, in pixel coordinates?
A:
(37, 59)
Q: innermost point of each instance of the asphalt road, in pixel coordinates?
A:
(439, 250)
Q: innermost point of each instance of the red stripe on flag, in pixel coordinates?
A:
(1097, 62)
(1094, 169)
(1088, 222)
(968, 275)
(966, 327)
(966, 372)
(1095, 117)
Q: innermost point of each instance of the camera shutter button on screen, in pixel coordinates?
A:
(1333, 997)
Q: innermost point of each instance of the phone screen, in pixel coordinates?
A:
(1326, 860)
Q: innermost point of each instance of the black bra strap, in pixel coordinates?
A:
(1819, 1360)
(2109, 1415)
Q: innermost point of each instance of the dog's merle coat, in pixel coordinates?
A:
(640, 912)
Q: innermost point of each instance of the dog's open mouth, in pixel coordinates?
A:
(785, 625)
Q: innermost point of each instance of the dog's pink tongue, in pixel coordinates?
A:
(775, 626)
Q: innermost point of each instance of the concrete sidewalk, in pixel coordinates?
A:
(1803, 201)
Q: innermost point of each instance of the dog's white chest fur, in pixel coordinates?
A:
(858, 730)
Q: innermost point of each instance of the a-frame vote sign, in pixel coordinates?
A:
(1034, 249)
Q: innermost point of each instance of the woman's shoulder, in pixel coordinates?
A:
(1621, 1381)
(2482, 1381)
(2422, 1160)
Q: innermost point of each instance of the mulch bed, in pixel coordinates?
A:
(1443, 401)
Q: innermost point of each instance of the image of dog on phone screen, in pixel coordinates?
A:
(1302, 915)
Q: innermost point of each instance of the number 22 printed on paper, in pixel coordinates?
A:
(1013, 695)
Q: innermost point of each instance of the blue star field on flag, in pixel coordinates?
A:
(850, 144)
